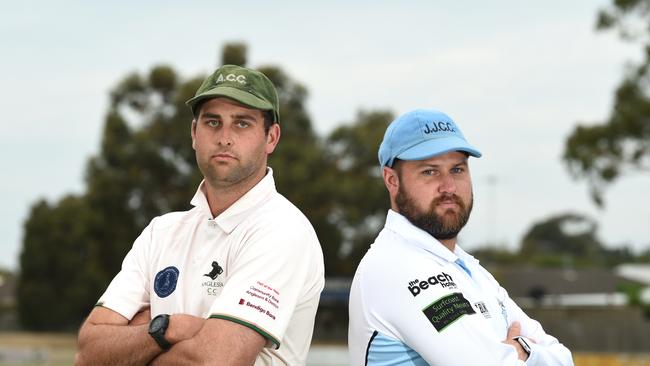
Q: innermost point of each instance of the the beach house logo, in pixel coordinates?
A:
(442, 279)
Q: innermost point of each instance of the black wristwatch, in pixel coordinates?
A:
(157, 328)
(523, 343)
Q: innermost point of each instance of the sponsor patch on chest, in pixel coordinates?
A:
(446, 310)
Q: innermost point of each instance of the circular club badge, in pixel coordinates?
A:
(165, 282)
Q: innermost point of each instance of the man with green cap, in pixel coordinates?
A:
(236, 279)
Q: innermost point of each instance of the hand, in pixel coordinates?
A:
(142, 317)
(182, 327)
(514, 331)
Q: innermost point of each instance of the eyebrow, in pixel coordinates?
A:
(463, 161)
(234, 116)
(423, 164)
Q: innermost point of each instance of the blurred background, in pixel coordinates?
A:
(95, 142)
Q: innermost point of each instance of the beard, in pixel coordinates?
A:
(442, 227)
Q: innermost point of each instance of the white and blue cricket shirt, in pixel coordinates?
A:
(414, 302)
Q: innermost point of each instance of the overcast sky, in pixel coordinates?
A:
(516, 76)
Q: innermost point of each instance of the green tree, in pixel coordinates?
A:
(303, 175)
(59, 269)
(601, 153)
(569, 240)
(494, 256)
(146, 167)
(361, 197)
(234, 53)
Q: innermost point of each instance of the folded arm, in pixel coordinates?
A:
(106, 338)
(218, 342)
(546, 350)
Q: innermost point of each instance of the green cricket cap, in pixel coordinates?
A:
(246, 86)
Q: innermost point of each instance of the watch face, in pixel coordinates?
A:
(157, 323)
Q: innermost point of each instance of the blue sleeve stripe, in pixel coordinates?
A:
(388, 351)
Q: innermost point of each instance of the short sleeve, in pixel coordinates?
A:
(277, 267)
(128, 292)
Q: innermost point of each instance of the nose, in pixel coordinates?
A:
(447, 184)
(224, 137)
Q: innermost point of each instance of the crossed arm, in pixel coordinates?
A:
(108, 338)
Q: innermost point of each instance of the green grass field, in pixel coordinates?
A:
(57, 349)
(27, 349)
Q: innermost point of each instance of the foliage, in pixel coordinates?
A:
(602, 153)
(146, 167)
(569, 240)
(234, 53)
(562, 240)
(490, 256)
(632, 291)
(628, 17)
(302, 174)
(7, 306)
(52, 287)
(361, 198)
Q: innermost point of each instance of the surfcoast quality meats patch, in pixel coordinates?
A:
(446, 310)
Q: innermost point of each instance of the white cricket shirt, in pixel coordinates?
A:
(259, 264)
(412, 302)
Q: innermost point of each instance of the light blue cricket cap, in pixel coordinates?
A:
(422, 134)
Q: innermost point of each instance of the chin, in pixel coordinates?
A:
(450, 213)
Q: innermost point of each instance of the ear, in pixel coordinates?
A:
(193, 133)
(391, 180)
(272, 138)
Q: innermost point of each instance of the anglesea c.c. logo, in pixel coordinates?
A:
(165, 282)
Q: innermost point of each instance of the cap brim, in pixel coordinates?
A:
(238, 95)
(433, 147)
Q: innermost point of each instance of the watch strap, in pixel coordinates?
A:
(523, 343)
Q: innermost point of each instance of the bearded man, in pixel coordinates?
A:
(417, 298)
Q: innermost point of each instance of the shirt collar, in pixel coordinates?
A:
(417, 237)
(240, 210)
(468, 258)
